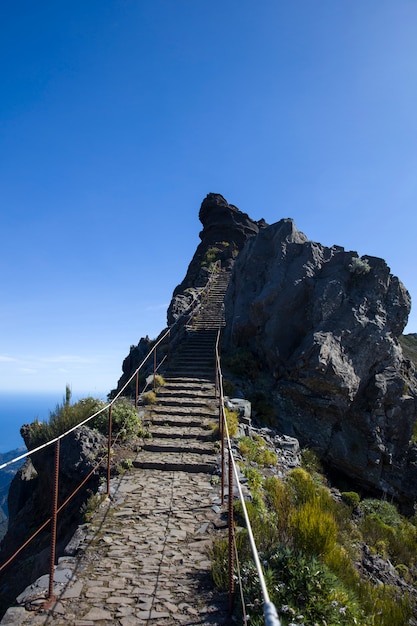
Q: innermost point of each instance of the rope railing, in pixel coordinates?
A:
(269, 610)
(181, 322)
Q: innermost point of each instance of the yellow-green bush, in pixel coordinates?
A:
(232, 421)
(314, 530)
(301, 486)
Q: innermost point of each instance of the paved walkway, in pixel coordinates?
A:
(143, 561)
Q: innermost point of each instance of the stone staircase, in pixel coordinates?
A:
(144, 558)
(211, 313)
(186, 408)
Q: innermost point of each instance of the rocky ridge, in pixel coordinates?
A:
(322, 325)
(317, 331)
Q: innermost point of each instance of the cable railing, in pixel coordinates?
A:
(269, 609)
(181, 325)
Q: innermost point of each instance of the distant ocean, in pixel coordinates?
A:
(17, 409)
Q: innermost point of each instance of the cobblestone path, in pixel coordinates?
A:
(143, 559)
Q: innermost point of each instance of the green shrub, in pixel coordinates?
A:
(254, 450)
(301, 486)
(384, 605)
(359, 266)
(389, 533)
(383, 510)
(248, 448)
(314, 530)
(126, 422)
(211, 256)
(63, 418)
(254, 477)
(310, 461)
(266, 457)
(351, 498)
(303, 590)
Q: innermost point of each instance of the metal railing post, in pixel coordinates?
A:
(54, 522)
(136, 389)
(231, 535)
(154, 368)
(221, 431)
(109, 437)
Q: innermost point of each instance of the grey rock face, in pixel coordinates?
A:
(226, 230)
(325, 323)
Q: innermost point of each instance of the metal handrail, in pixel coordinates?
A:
(52, 519)
(269, 609)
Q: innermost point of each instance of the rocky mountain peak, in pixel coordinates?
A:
(224, 222)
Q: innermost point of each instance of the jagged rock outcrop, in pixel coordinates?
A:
(321, 326)
(225, 232)
(6, 477)
(324, 323)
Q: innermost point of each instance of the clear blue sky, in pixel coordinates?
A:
(117, 117)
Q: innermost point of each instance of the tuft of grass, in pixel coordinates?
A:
(149, 397)
(91, 505)
(159, 380)
(254, 450)
(232, 420)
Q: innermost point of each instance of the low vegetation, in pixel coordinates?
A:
(409, 346)
(359, 265)
(126, 422)
(309, 542)
(243, 364)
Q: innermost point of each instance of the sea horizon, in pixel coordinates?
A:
(18, 408)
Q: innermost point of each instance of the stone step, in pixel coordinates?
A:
(188, 384)
(189, 367)
(181, 395)
(190, 403)
(174, 461)
(164, 447)
(175, 432)
(184, 420)
(187, 381)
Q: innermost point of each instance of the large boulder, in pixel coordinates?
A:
(325, 323)
(30, 504)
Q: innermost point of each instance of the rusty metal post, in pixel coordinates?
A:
(54, 522)
(154, 368)
(221, 431)
(231, 536)
(216, 378)
(136, 389)
(109, 437)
